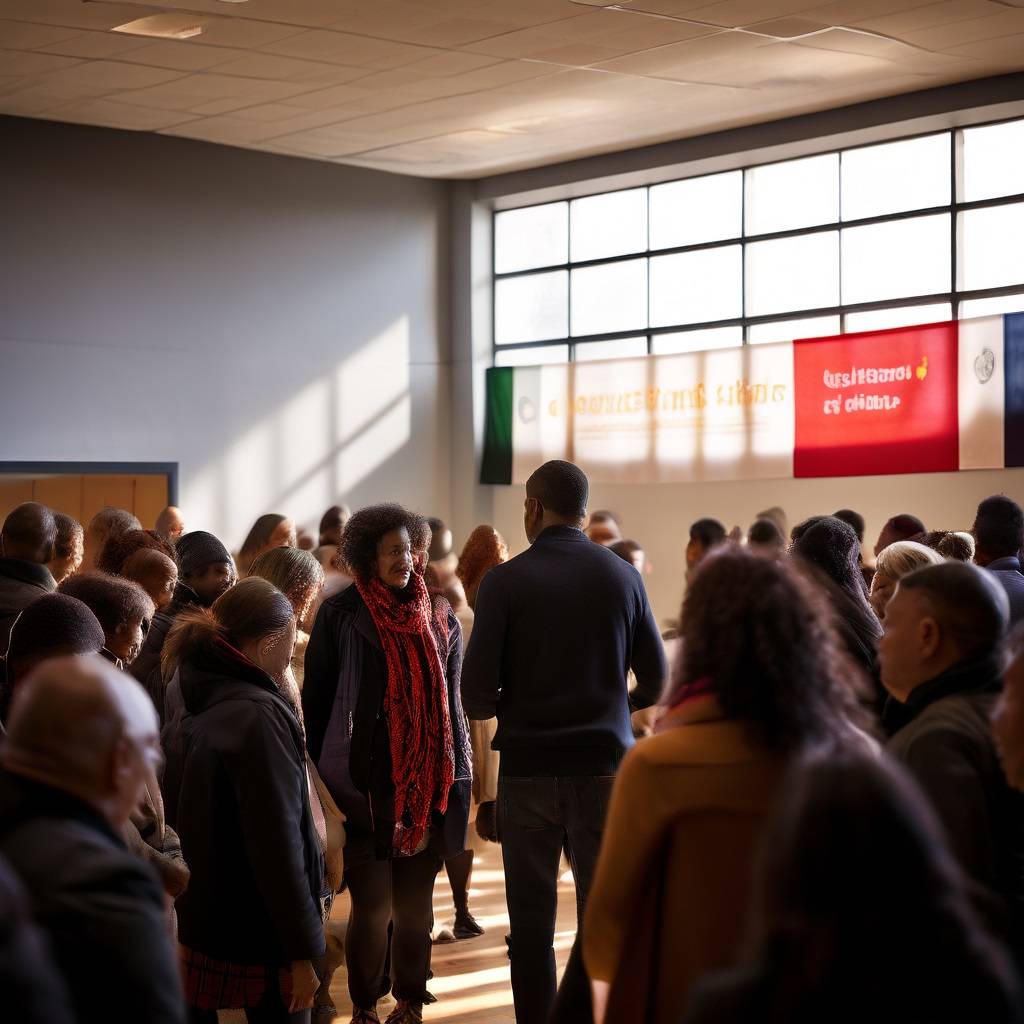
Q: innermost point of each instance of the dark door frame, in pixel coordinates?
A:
(167, 469)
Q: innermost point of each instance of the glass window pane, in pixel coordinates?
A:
(901, 316)
(898, 258)
(696, 287)
(992, 253)
(794, 194)
(697, 210)
(697, 341)
(619, 348)
(793, 273)
(609, 297)
(990, 307)
(608, 225)
(535, 236)
(531, 308)
(907, 175)
(992, 161)
(790, 330)
(537, 356)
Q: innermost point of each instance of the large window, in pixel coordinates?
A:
(913, 231)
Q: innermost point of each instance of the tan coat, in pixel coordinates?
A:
(670, 895)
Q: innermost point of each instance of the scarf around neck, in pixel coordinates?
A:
(416, 705)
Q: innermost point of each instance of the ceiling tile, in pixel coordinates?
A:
(197, 92)
(243, 33)
(23, 35)
(14, 62)
(269, 65)
(69, 13)
(734, 13)
(118, 115)
(96, 45)
(895, 22)
(99, 77)
(971, 30)
(356, 51)
(180, 56)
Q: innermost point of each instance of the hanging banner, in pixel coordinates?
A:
(910, 400)
(877, 402)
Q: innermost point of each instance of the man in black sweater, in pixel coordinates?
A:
(556, 631)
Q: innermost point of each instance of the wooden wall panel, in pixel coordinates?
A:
(13, 491)
(61, 493)
(99, 490)
(150, 498)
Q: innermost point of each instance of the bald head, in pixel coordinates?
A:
(29, 533)
(170, 524)
(155, 573)
(81, 726)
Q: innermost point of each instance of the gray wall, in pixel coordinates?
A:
(279, 327)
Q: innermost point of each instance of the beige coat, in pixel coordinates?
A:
(670, 894)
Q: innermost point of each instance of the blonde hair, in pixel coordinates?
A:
(904, 556)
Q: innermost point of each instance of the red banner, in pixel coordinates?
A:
(877, 402)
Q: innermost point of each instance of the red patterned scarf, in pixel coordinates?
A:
(416, 704)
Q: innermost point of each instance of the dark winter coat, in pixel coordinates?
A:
(242, 813)
(21, 583)
(101, 906)
(343, 704)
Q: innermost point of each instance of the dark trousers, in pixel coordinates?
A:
(537, 819)
(399, 891)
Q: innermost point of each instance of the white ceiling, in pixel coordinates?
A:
(468, 88)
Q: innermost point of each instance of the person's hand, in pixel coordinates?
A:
(486, 822)
(304, 986)
(644, 721)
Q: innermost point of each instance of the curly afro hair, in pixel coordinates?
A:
(114, 600)
(120, 546)
(357, 552)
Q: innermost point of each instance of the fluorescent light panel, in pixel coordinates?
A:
(161, 26)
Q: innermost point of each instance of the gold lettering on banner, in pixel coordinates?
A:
(740, 393)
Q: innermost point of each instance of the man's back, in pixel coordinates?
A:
(1007, 571)
(101, 906)
(556, 630)
(20, 584)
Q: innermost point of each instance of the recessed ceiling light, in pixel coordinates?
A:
(234, 1)
(161, 26)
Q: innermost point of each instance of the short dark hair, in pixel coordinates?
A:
(438, 550)
(119, 547)
(906, 526)
(358, 548)
(626, 549)
(766, 533)
(956, 546)
(29, 532)
(708, 532)
(114, 520)
(968, 602)
(602, 515)
(999, 526)
(852, 519)
(114, 600)
(67, 528)
(561, 488)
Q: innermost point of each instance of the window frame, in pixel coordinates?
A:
(954, 295)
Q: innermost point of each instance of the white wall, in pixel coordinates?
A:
(279, 327)
(659, 516)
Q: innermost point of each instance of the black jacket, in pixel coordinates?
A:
(556, 631)
(34, 992)
(243, 816)
(101, 905)
(146, 667)
(20, 584)
(345, 679)
(943, 735)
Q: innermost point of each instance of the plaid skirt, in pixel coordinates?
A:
(218, 985)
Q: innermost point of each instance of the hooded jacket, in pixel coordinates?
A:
(237, 779)
(343, 704)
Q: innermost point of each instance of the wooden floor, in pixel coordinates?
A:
(471, 979)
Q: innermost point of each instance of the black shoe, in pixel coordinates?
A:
(466, 926)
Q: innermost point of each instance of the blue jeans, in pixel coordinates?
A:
(538, 818)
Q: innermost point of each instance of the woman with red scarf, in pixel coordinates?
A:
(384, 725)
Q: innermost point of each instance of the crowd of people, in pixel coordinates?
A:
(803, 800)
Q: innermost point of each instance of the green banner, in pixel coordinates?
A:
(496, 467)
